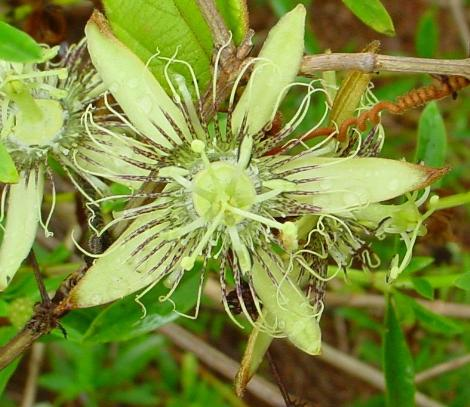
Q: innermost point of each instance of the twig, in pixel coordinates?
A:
(220, 33)
(231, 57)
(370, 62)
(46, 301)
(45, 319)
(34, 367)
(221, 363)
(442, 368)
(448, 309)
(458, 13)
(365, 372)
(277, 377)
(341, 332)
(266, 391)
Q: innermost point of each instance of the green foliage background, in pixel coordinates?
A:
(112, 356)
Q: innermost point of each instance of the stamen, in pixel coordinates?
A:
(184, 230)
(277, 186)
(187, 263)
(61, 73)
(245, 152)
(258, 218)
(198, 147)
(176, 173)
(191, 109)
(240, 249)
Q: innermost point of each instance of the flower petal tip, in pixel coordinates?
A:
(433, 174)
(300, 8)
(98, 20)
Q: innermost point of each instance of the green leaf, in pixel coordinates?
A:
(432, 137)
(423, 287)
(360, 318)
(429, 320)
(8, 172)
(167, 26)
(398, 363)
(235, 15)
(131, 361)
(436, 323)
(59, 255)
(417, 263)
(404, 309)
(463, 282)
(17, 46)
(117, 204)
(189, 376)
(124, 319)
(373, 14)
(427, 35)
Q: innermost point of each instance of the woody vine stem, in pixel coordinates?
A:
(233, 58)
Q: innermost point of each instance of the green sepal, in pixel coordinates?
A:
(256, 347)
(8, 172)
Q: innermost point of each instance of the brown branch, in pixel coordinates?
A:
(220, 34)
(230, 61)
(457, 9)
(221, 363)
(442, 368)
(266, 391)
(446, 86)
(45, 319)
(448, 309)
(46, 301)
(369, 374)
(370, 62)
(277, 377)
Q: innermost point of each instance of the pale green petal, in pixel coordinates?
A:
(280, 61)
(285, 302)
(24, 205)
(343, 184)
(118, 273)
(134, 87)
(109, 163)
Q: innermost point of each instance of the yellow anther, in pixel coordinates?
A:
(198, 146)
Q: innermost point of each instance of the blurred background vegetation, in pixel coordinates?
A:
(112, 358)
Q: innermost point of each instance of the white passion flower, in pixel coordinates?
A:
(41, 117)
(221, 195)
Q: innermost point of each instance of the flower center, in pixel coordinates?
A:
(220, 188)
(37, 121)
(31, 130)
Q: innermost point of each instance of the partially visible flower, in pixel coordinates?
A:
(222, 196)
(41, 118)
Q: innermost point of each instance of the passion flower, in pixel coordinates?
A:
(222, 196)
(41, 118)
